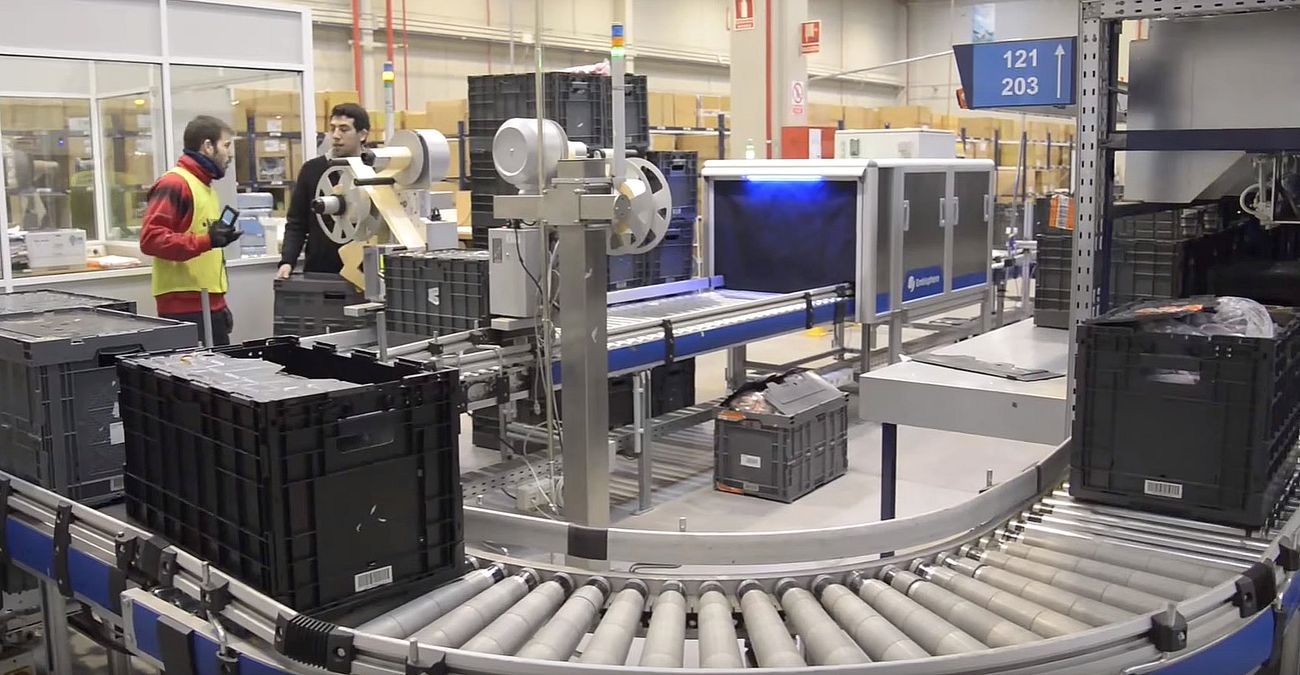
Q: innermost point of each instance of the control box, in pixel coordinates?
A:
(515, 271)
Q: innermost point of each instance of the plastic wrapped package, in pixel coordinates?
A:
(1240, 317)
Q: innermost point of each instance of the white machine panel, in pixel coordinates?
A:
(514, 271)
(895, 144)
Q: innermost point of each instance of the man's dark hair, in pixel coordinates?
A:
(360, 118)
(204, 128)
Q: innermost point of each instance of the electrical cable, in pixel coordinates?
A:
(536, 478)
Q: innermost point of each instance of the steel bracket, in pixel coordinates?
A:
(314, 642)
(1256, 589)
(1169, 631)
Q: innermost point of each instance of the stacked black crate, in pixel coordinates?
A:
(432, 293)
(674, 259)
(580, 103)
(320, 479)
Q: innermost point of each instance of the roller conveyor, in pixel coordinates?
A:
(980, 600)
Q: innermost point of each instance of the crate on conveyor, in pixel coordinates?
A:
(1052, 287)
(319, 479)
(781, 438)
(313, 303)
(432, 293)
(1197, 425)
(59, 416)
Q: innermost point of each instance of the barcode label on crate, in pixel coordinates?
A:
(116, 433)
(751, 461)
(1162, 489)
(373, 579)
(116, 484)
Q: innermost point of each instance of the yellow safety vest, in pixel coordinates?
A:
(208, 269)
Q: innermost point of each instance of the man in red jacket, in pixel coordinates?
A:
(183, 232)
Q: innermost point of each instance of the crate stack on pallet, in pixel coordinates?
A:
(1196, 424)
(252, 456)
(60, 423)
(432, 293)
(580, 103)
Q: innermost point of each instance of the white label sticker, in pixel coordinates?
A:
(116, 484)
(117, 411)
(814, 144)
(1161, 489)
(373, 579)
(751, 461)
(273, 146)
(116, 433)
(275, 125)
(435, 297)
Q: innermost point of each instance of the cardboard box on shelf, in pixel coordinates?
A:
(277, 123)
(906, 117)
(858, 117)
(445, 115)
(975, 148)
(463, 207)
(663, 142)
(1009, 128)
(825, 114)
(453, 169)
(709, 102)
(685, 107)
(1006, 183)
(704, 144)
(656, 113)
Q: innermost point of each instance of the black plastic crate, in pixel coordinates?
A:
(59, 421)
(783, 455)
(682, 169)
(623, 272)
(1146, 269)
(21, 302)
(1052, 285)
(673, 259)
(580, 103)
(320, 499)
(1169, 224)
(432, 293)
(1190, 425)
(312, 304)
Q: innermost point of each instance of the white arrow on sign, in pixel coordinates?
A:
(1060, 53)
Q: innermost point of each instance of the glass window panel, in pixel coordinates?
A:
(131, 140)
(265, 110)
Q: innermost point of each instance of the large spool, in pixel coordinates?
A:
(646, 221)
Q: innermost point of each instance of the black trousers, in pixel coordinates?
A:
(223, 322)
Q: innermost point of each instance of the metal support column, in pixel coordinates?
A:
(584, 363)
(737, 358)
(868, 344)
(643, 439)
(54, 619)
(896, 336)
(119, 663)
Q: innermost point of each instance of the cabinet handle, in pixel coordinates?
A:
(943, 212)
(907, 215)
(956, 211)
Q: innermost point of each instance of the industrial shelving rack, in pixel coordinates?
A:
(1099, 140)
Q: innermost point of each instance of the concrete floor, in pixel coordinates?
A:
(936, 470)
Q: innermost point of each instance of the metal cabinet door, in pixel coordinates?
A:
(925, 234)
(971, 215)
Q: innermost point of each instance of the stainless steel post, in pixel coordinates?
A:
(584, 366)
(736, 376)
(119, 663)
(381, 334)
(205, 301)
(54, 619)
(895, 336)
(642, 440)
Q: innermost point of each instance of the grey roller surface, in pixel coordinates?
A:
(1165, 587)
(1146, 561)
(1032, 616)
(773, 646)
(420, 612)
(978, 622)
(556, 640)
(665, 638)
(1073, 605)
(880, 639)
(929, 630)
(610, 643)
(1116, 595)
(510, 630)
(719, 646)
(456, 627)
(826, 643)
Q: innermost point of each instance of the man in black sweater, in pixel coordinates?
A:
(349, 129)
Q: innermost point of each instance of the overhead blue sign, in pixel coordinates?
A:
(1017, 73)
